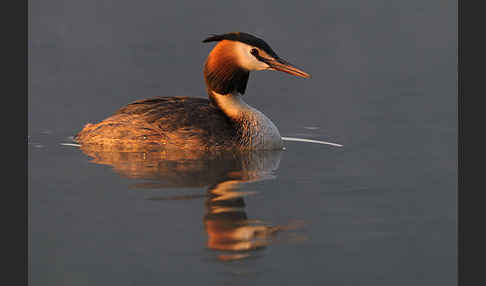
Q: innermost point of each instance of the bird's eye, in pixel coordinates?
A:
(254, 52)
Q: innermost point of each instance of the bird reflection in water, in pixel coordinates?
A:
(229, 230)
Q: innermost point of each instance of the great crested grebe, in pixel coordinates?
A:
(224, 121)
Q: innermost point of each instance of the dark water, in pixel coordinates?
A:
(379, 211)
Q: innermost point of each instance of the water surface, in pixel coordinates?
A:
(381, 210)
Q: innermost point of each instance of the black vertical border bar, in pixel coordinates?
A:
(13, 117)
(23, 223)
(471, 142)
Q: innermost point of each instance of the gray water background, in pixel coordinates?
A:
(379, 211)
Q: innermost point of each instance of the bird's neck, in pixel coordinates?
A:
(226, 81)
(254, 129)
(232, 104)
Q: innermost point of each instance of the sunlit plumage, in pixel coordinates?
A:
(224, 121)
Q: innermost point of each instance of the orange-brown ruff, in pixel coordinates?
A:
(224, 121)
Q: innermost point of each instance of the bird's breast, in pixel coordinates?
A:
(258, 131)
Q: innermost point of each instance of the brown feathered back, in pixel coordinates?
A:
(167, 122)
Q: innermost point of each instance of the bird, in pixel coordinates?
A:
(223, 121)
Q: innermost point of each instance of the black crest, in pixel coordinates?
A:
(244, 38)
